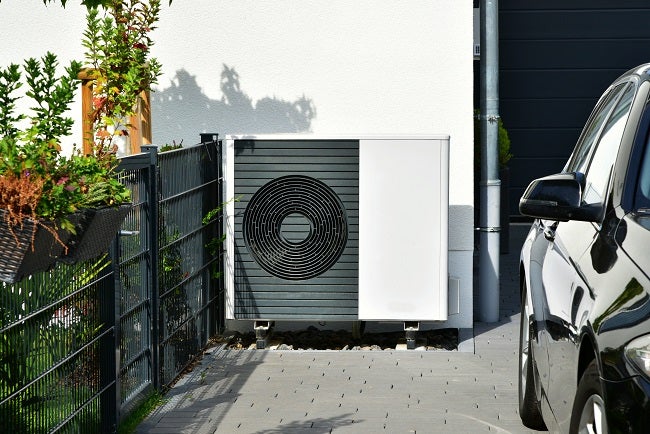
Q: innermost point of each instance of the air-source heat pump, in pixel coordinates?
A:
(327, 229)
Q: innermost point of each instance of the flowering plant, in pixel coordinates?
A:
(36, 180)
(117, 46)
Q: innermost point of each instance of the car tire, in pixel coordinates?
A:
(529, 408)
(588, 413)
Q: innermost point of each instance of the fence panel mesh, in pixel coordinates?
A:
(82, 344)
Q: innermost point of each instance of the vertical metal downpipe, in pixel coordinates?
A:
(490, 185)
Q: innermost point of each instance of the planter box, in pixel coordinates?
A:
(19, 257)
(96, 228)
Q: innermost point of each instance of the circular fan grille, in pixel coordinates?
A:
(295, 227)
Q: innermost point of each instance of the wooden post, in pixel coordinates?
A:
(86, 111)
(139, 124)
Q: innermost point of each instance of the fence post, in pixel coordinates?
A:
(109, 302)
(211, 320)
(220, 232)
(154, 249)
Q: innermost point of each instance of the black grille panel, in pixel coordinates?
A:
(296, 228)
(319, 243)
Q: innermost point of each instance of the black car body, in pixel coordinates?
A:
(585, 323)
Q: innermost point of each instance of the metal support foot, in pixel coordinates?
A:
(410, 329)
(261, 333)
(358, 327)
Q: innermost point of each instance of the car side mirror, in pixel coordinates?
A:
(558, 197)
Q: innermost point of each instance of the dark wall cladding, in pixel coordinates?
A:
(556, 59)
(330, 295)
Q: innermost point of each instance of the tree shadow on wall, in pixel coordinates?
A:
(183, 110)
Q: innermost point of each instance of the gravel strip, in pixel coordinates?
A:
(343, 340)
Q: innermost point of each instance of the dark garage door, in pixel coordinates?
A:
(556, 58)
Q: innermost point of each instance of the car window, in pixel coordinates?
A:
(643, 187)
(584, 147)
(604, 155)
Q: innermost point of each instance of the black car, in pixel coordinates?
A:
(585, 318)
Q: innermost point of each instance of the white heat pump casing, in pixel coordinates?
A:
(403, 242)
(403, 225)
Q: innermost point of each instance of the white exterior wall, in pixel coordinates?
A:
(335, 67)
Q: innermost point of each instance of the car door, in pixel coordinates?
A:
(566, 285)
(559, 246)
(551, 271)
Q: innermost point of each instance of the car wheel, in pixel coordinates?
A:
(588, 414)
(529, 410)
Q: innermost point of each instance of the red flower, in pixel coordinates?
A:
(99, 101)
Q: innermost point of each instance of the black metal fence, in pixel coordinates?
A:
(81, 345)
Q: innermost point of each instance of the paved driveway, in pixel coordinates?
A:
(358, 391)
